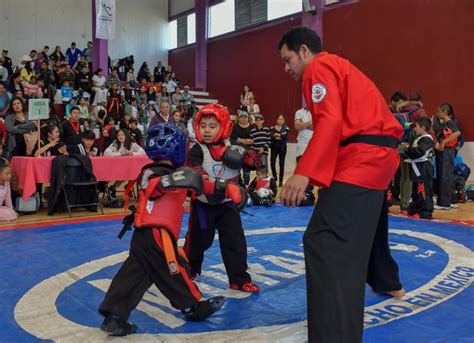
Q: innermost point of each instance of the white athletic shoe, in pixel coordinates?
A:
(436, 207)
(454, 206)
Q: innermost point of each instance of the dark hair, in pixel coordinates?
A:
(98, 71)
(20, 100)
(101, 114)
(448, 108)
(127, 144)
(3, 164)
(424, 122)
(263, 170)
(2, 83)
(74, 108)
(297, 36)
(108, 119)
(45, 131)
(415, 96)
(398, 95)
(46, 47)
(73, 43)
(133, 121)
(33, 51)
(88, 134)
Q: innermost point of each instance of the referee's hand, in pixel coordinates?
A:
(294, 190)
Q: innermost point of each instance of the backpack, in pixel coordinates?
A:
(404, 118)
(463, 170)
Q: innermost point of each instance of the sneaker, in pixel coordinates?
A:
(114, 326)
(203, 309)
(454, 206)
(436, 207)
(248, 287)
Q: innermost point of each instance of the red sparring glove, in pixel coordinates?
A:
(237, 194)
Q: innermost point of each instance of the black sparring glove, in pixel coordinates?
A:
(234, 156)
(186, 178)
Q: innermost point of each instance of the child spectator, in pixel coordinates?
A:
(132, 109)
(278, 134)
(135, 133)
(154, 255)
(177, 121)
(127, 93)
(109, 132)
(71, 103)
(143, 116)
(261, 138)
(218, 206)
(447, 134)
(131, 77)
(241, 136)
(83, 108)
(87, 147)
(67, 92)
(50, 143)
(125, 122)
(114, 105)
(32, 89)
(263, 188)
(142, 96)
(6, 207)
(420, 155)
(151, 96)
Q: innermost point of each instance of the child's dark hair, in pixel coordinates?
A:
(425, 123)
(133, 121)
(3, 164)
(263, 170)
(415, 96)
(448, 108)
(297, 36)
(398, 95)
(108, 120)
(88, 134)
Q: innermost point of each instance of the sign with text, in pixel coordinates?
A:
(38, 109)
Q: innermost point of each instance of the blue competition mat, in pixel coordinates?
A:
(53, 279)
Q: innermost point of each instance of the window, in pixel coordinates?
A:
(173, 26)
(192, 28)
(281, 8)
(221, 18)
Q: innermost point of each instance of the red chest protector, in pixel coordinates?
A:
(264, 183)
(446, 134)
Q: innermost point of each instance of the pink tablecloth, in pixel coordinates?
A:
(32, 170)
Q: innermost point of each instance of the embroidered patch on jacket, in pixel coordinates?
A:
(318, 92)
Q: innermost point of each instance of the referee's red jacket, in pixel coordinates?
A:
(343, 103)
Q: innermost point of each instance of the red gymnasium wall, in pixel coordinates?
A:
(182, 62)
(411, 45)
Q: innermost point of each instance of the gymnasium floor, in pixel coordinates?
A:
(54, 272)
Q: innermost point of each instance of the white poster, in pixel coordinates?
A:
(38, 109)
(106, 17)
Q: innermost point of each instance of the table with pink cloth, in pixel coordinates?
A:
(32, 170)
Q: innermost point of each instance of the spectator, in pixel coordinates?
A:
(176, 97)
(182, 109)
(143, 118)
(397, 98)
(144, 73)
(29, 59)
(80, 63)
(83, 106)
(16, 84)
(66, 74)
(163, 116)
(99, 87)
(7, 62)
(124, 123)
(159, 72)
(253, 108)
(67, 92)
(245, 97)
(3, 72)
(87, 147)
(17, 125)
(46, 77)
(88, 53)
(173, 78)
(131, 79)
(241, 135)
(132, 109)
(278, 134)
(83, 82)
(164, 96)
(142, 96)
(4, 99)
(27, 72)
(32, 89)
(109, 132)
(193, 109)
(191, 134)
(151, 96)
(263, 188)
(57, 55)
(123, 146)
(114, 105)
(50, 143)
(99, 113)
(73, 128)
(6, 207)
(187, 97)
(113, 78)
(261, 139)
(53, 119)
(170, 85)
(72, 54)
(135, 133)
(177, 121)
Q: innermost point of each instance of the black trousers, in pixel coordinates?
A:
(395, 185)
(146, 265)
(345, 245)
(203, 222)
(280, 154)
(422, 199)
(445, 176)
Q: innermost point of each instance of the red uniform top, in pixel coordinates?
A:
(343, 103)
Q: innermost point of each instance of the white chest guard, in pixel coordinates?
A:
(426, 157)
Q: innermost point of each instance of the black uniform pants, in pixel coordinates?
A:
(348, 228)
(280, 153)
(445, 176)
(204, 221)
(146, 265)
(422, 199)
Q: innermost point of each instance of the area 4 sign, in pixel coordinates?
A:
(38, 109)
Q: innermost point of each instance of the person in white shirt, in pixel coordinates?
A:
(169, 84)
(99, 83)
(304, 126)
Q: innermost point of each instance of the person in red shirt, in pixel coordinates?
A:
(352, 158)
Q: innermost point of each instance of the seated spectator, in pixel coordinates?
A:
(27, 72)
(17, 126)
(46, 77)
(66, 74)
(3, 72)
(88, 53)
(191, 134)
(169, 84)
(7, 212)
(135, 132)
(84, 83)
(143, 118)
(125, 122)
(72, 54)
(192, 110)
(174, 79)
(123, 146)
(151, 96)
(83, 106)
(3, 137)
(4, 99)
(142, 97)
(164, 96)
(113, 79)
(87, 147)
(253, 108)
(176, 97)
(127, 93)
(114, 105)
(131, 108)
(177, 121)
(29, 59)
(159, 72)
(151, 112)
(109, 132)
(67, 92)
(57, 55)
(397, 98)
(131, 79)
(80, 63)
(263, 188)
(98, 115)
(182, 109)
(53, 119)
(32, 89)
(144, 73)
(7, 62)
(163, 116)
(70, 105)
(99, 87)
(16, 85)
(187, 97)
(73, 128)
(50, 143)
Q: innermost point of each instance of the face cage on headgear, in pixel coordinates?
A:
(222, 116)
(166, 142)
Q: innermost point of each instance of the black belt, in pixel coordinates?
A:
(378, 140)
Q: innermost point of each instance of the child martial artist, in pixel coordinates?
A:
(263, 188)
(154, 255)
(218, 206)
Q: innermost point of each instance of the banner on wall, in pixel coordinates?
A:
(105, 20)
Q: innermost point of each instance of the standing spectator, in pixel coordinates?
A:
(278, 134)
(7, 62)
(261, 138)
(72, 54)
(170, 85)
(159, 72)
(57, 55)
(99, 87)
(253, 107)
(245, 97)
(7, 212)
(396, 99)
(241, 135)
(304, 126)
(17, 125)
(187, 97)
(88, 53)
(163, 116)
(447, 134)
(4, 99)
(144, 73)
(72, 128)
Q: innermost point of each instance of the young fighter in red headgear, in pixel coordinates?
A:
(218, 206)
(154, 254)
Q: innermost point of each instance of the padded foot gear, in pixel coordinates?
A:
(114, 326)
(203, 309)
(248, 287)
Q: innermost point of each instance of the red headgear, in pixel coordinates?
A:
(222, 116)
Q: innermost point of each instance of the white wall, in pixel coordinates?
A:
(142, 27)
